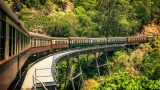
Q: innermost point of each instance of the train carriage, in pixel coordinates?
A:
(60, 43)
(78, 41)
(98, 41)
(14, 46)
(117, 40)
(137, 39)
(40, 43)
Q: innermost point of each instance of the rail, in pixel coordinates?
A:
(34, 83)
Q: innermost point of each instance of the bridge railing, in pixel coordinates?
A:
(34, 83)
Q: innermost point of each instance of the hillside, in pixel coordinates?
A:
(92, 18)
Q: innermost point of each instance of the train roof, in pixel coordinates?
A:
(78, 38)
(116, 37)
(98, 38)
(136, 36)
(60, 38)
(32, 34)
(12, 15)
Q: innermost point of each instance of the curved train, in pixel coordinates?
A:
(17, 44)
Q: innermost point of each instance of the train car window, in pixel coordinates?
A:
(37, 42)
(16, 42)
(71, 41)
(19, 41)
(2, 15)
(34, 42)
(41, 42)
(10, 40)
(13, 38)
(22, 43)
(53, 42)
(2, 39)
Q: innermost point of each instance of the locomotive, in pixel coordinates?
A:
(17, 44)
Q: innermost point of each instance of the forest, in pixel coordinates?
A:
(91, 18)
(137, 69)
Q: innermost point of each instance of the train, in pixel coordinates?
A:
(17, 44)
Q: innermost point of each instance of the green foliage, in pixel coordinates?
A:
(143, 10)
(89, 72)
(155, 43)
(119, 81)
(9, 3)
(151, 65)
(32, 3)
(120, 61)
(64, 25)
(35, 3)
(124, 81)
(93, 18)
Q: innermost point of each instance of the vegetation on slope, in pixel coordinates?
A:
(91, 18)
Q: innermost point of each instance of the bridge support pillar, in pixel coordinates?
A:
(81, 72)
(72, 76)
(97, 64)
(67, 71)
(106, 58)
